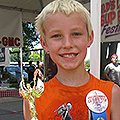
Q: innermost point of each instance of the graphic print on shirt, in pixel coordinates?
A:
(63, 110)
(97, 103)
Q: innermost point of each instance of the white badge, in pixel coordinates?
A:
(97, 101)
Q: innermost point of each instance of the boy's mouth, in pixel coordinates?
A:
(69, 55)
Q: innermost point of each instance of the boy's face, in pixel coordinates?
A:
(66, 39)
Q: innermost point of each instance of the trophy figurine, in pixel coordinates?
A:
(30, 93)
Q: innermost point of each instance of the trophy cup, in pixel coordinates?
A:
(30, 93)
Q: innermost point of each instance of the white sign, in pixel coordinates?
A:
(110, 20)
(4, 56)
(10, 29)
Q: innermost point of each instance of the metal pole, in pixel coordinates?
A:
(21, 60)
(95, 48)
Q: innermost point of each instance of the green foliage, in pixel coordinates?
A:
(29, 37)
(87, 64)
(14, 85)
(14, 56)
(34, 57)
(118, 61)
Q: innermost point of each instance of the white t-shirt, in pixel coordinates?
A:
(113, 71)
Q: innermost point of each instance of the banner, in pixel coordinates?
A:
(110, 20)
(10, 28)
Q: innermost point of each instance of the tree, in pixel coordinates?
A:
(14, 56)
(30, 39)
(34, 57)
(29, 35)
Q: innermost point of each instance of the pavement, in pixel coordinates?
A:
(11, 108)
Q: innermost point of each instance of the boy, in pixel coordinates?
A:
(73, 94)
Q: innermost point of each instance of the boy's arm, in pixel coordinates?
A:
(115, 105)
(26, 110)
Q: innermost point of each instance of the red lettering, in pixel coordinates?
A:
(89, 100)
(102, 98)
(112, 5)
(17, 41)
(112, 16)
(102, 8)
(118, 6)
(108, 18)
(4, 41)
(118, 16)
(107, 6)
(10, 41)
(102, 20)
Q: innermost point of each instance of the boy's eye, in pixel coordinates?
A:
(76, 34)
(56, 36)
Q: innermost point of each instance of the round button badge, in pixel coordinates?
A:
(97, 101)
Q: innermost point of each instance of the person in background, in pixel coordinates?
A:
(30, 72)
(41, 67)
(38, 73)
(66, 32)
(18, 71)
(37, 65)
(112, 70)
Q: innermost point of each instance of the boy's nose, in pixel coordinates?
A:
(67, 42)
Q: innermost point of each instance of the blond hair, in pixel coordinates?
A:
(65, 6)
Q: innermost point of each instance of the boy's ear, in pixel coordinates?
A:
(43, 44)
(91, 38)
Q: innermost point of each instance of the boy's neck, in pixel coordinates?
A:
(73, 78)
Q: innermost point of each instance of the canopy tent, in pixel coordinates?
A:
(29, 8)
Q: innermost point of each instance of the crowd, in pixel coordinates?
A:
(36, 71)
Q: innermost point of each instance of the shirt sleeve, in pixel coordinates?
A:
(107, 69)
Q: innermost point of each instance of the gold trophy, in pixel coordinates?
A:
(30, 93)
